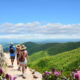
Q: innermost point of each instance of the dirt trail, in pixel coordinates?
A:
(14, 72)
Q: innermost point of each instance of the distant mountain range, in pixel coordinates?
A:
(3, 41)
(52, 48)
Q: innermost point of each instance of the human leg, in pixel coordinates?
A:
(23, 70)
(12, 59)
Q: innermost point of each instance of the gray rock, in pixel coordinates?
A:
(2, 57)
(33, 71)
(37, 74)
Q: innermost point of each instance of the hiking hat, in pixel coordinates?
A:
(23, 47)
(11, 43)
(18, 46)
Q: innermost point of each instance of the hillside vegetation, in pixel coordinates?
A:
(66, 60)
(51, 48)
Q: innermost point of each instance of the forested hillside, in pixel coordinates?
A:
(51, 48)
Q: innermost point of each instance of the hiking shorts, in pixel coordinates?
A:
(12, 57)
(25, 62)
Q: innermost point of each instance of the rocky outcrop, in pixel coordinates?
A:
(36, 74)
(2, 57)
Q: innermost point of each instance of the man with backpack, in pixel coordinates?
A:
(12, 50)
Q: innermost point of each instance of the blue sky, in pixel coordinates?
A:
(40, 19)
(44, 11)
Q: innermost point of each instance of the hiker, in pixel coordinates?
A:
(23, 56)
(17, 52)
(12, 50)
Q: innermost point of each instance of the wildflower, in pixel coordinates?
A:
(79, 66)
(57, 73)
(75, 70)
(11, 78)
(50, 73)
(73, 73)
(14, 78)
(78, 72)
(76, 75)
(61, 70)
(53, 69)
(1, 71)
(44, 76)
(46, 72)
(5, 79)
(7, 76)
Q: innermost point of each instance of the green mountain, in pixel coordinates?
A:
(31, 46)
(69, 60)
(51, 48)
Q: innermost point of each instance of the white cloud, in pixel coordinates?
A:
(37, 31)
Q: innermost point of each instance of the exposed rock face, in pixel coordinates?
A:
(2, 57)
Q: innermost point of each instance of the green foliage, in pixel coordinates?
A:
(66, 60)
(63, 47)
(38, 55)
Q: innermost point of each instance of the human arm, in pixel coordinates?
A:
(27, 56)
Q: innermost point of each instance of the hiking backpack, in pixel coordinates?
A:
(12, 50)
(22, 57)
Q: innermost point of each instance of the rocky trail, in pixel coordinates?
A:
(14, 72)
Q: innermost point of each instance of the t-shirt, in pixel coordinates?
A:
(12, 54)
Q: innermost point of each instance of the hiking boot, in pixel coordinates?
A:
(23, 77)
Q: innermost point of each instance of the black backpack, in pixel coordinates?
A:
(12, 50)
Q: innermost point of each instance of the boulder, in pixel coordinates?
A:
(2, 57)
(37, 74)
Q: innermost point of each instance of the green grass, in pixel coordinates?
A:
(69, 60)
(38, 55)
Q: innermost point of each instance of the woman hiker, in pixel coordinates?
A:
(12, 50)
(23, 56)
(17, 55)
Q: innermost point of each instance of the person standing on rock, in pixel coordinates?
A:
(23, 56)
(12, 50)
